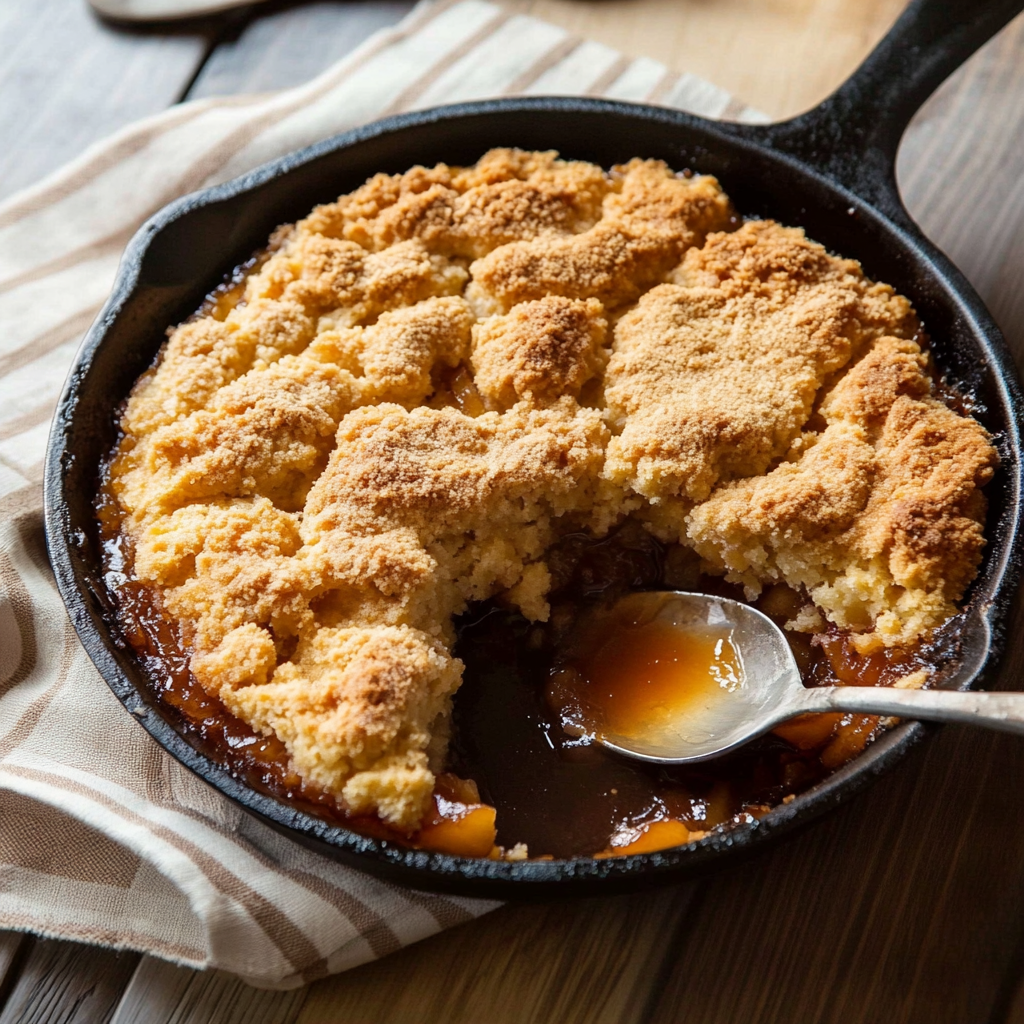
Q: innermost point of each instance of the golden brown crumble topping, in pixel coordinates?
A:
(539, 351)
(429, 382)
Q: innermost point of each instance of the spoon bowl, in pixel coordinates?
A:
(711, 715)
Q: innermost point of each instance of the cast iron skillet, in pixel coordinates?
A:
(831, 171)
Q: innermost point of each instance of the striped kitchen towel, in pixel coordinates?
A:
(103, 837)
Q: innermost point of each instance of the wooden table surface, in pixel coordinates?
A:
(906, 905)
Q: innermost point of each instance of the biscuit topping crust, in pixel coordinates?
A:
(426, 384)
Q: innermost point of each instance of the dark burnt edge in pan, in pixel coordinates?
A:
(186, 248)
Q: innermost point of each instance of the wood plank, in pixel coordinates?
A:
(68, 79)
(13, 947)
(1009, 1003)
(161, 993)
(154, 993)
(281, 48)
(782, 57)
(589, 962)
(961, 170)
(68, 982)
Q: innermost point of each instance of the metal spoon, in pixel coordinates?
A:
(771, 691)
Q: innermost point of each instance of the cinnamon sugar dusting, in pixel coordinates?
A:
(431, 381)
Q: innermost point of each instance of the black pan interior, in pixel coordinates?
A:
(187, 249)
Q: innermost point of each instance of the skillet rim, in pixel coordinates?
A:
(527, 879)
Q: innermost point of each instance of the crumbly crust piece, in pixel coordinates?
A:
(879, 517)
(508, 196)
(540, 351)
(204, 355)
(714, 377)
(270, 430)
(650, 218)
(476, 499)
(381, 431)
(398, 355)
(224, 564)
(344, 707)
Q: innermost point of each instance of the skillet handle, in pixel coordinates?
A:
(852, 137)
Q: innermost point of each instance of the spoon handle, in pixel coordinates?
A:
(1003, 711)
